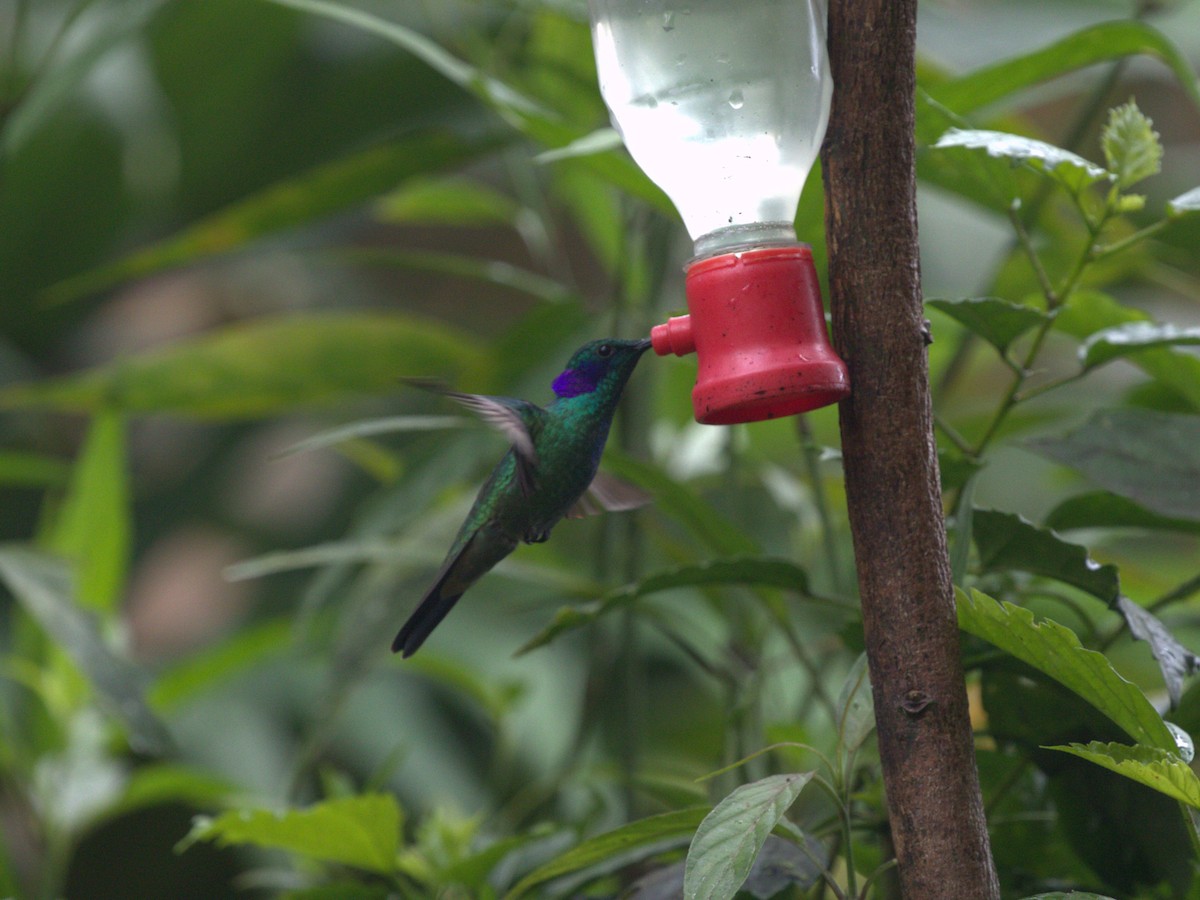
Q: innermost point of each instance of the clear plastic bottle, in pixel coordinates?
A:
(723, 103)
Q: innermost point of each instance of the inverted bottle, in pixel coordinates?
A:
(724, 105)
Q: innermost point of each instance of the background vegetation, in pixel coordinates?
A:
(228, 227)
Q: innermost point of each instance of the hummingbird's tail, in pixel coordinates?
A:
(459, 572)
(426, 617)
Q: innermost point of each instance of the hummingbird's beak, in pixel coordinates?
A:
(644, 345)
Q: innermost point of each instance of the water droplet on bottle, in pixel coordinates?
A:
(736, 100)
(723, 57)
(651, 102)
(680, 59)
(668, 20)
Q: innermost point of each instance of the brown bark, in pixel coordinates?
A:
(890, 459)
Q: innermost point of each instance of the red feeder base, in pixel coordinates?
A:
(758, 331)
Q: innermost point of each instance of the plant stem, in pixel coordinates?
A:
(812, 464)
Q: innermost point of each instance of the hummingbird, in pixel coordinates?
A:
(549, 472)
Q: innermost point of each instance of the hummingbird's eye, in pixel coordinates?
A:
(604, 350)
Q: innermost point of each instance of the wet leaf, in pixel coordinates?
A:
(1133, 337)
(1069, 169)
(729, 839)
(1055, 650)
(361, 831)
(1006, 542)
(1188, 202)
(260, 367)
(1150, 457)
(1161, 770)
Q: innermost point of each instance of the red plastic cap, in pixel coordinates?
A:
(758, 329)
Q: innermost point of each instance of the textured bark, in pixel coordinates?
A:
(890, 458)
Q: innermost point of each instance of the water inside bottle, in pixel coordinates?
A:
(723, 104)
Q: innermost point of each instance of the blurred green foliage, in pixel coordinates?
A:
(228, 228)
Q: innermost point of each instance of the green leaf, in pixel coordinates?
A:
(1006, 542)
(649, 833)
(1089, 311)
(757, 571)
(473, 268)
(248, 647)
(1158, 769)
(1131, 146)
(1055, 650)
(1086, 47)
(42, 585)
(260, 367)
(1188, 202)
(1069, 169)
(93, 527)
(1133, 337)
(996, 321)
(1101, 509)
(361, 831)
(731, 836)
(1150, 457)
(312, 196)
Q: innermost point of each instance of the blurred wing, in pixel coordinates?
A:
(515, 419)
(608, 493)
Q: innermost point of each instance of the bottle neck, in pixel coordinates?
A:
(743, 237)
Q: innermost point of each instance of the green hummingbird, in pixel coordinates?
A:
(549, 471)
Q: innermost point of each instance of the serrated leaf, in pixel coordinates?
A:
(1188, 202)
(1163, 771)
(93, 527)
(1069, 169)
(996, 321)
(1006, 542)
(1101, 509)
(731, 836)
(312, 196)
(649, 833)
(1090, 311)
(1131, 146)
(1055, 650)
(361, 831)
(1150, 457)
(42, 584)
(757, 571)
(1133, 337)
(260, 367)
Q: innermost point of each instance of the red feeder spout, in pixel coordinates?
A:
(757, 328)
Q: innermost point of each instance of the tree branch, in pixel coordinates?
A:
(890, 458)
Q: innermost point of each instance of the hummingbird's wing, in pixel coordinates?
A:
(517, 420)
(608, 493)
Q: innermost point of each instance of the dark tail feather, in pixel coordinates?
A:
(425, 618)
